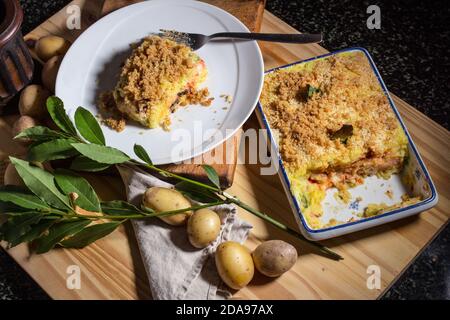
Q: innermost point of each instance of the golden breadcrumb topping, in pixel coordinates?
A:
(115, 124)
(154, 62)
(200, 97)
(332, 109)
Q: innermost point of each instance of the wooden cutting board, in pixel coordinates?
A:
(112, 269)
(250, 12)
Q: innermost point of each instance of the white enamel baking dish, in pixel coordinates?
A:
(374, 190)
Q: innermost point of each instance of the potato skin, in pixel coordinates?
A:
(275, 257)
(24, 122)
(234, 264)
(50, 71)
(12, 177)
(203, 227)
(33, 101)
(164, 199)
(50, 46)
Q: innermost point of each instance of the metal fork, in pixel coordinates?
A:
(196, 40)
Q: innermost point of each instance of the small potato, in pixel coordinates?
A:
(203, 227)
(234, 264)
(12, 177)
(33, 101)
(275, 257)
(24, 122)
(50, 46)
(50, 71)
(163, 199)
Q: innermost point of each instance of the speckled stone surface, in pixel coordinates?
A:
(412, 52)
(16, 283)
(429, 276)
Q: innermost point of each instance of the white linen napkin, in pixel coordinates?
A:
(175, 269)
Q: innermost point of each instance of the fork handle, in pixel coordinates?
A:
(273, 37)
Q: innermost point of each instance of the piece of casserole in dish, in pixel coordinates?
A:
(344, 152)
(158, 75)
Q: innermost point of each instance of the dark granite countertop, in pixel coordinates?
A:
(412, 52)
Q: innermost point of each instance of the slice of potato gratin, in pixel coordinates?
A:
(159, 75)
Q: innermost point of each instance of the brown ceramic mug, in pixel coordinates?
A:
(16, 64)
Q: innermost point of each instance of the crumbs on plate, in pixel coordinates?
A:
(109, 115)
(228, 98)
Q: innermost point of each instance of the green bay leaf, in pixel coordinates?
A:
(52, 150)
(56, 110)
(41, 183)
(212, 175)
(82, 163)
(88, 126)
(16, 226)
(35, 232)
(69, 182)
(40, 133)
(196, 193)
(90, 234)
(119, 208)
(58, 232)
(142, 154)
(102, 154)
(21, 198)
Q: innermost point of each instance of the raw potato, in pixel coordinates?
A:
(50, 46)
(234, 264)
(12, 177)
(275, 257)
(50, 71)
(24, 122)
(33, 101)
(163, 199)
(203, 227)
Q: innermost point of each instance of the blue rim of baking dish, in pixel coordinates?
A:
(429, 200)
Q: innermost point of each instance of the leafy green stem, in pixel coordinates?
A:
(178, 177)
(193, 208)
(283, 227)
(150, 214)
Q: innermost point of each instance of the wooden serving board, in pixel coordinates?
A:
(112, 269)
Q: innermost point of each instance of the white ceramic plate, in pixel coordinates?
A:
(235, 68)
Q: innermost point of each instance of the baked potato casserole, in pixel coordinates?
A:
(335, 127)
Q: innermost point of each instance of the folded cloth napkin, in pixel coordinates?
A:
(177, 270)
